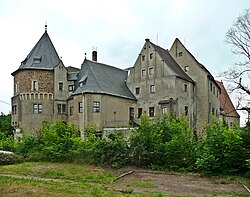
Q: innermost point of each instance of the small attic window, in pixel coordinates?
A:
(82, 82)
(186, 68)
(180, 54)
(37, 59)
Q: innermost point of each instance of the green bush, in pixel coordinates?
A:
(222, 150)
(112, 150)
(7, 143)
(168, 143)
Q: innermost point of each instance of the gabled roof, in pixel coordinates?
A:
(169, 60)
(226, 103)
(210, 76)
(42, 56)
(100, 78)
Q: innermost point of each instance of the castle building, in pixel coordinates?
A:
(160, 82)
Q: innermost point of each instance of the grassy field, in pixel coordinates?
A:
(60, 179)
(65, 179)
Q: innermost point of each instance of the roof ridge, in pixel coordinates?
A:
(93, 75)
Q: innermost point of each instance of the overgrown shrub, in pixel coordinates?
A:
(168, 143)
(222, 150)
(112, 150)
(7, 143)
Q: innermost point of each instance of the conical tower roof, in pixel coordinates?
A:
(42, 56)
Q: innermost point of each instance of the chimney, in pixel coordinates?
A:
(94, 55)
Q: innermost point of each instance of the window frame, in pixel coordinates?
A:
(143, 58)
(186, 111)
(151, 71)
(71, 88)
(34, 85)
(37, 108)
(60, 86)
(152, 88)
(185, 87)
(139, 112)
(96, 106)
(164, 110)
(143, 72)
(151, 56)
(80, 107)
(137, 90)
(151, 112)
(61, 108)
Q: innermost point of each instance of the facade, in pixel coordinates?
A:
(160, 85)
(160, 82)
(206, 90)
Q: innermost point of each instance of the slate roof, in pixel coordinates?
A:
(169, 60)
(42, 56)
(104, 79)
(226, 103)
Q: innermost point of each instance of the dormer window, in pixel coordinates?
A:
(37, 59)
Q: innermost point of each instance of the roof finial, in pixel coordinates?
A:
(85, 55)
(46, 26)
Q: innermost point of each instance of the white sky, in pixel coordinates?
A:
(117, 28)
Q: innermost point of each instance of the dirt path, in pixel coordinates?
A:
(145, 181)
(178, 184)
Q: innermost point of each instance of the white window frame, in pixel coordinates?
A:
(152, 88)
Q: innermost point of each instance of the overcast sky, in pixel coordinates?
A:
(117, 28)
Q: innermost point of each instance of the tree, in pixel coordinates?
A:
(238, 77)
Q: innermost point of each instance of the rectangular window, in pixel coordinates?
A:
(14, 109)
(139, 112)
(71, 110)
(34, 85)
(71, 88)
(37, 108)
(137, 90)
(151, 56)
(180, 54)
(217, 93)
(96, 107)
(152, 88)
(164, 110)
(150, 71)
(185, 87)
(16, 88)
(213, 110)
(151, 111)
(214, 90)
(60, 86)
(186, 110)
(80, 108)
(211, 87)
(61, 108)
(143, 57)
(143, 72)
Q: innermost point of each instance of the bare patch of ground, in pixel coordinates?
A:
(176, 184)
